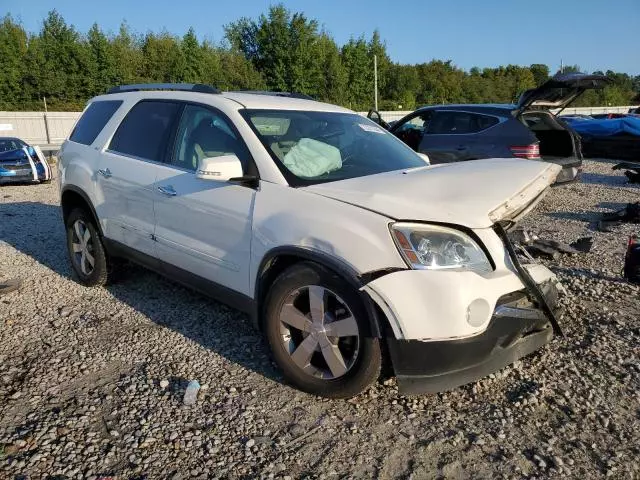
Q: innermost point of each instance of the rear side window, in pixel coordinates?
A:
(145, 130)
(93, 121)
(459, 123)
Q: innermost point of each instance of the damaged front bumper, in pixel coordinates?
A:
(515, 330)
(452, 328)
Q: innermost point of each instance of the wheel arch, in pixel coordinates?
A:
(73, 197)
(279, 259)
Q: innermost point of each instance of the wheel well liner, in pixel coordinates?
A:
(279, 259)
(73, 197)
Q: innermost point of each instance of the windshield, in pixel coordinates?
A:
(8, 144)
(317, 147)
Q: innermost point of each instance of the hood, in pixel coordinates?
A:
(560, 90)
(474, 194)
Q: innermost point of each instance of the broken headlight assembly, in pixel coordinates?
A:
(432, 247)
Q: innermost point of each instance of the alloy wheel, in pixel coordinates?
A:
(82, 245)
(319, 332)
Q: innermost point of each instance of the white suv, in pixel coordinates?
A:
(334, 236)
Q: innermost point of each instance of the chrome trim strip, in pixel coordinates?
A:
(525, 313)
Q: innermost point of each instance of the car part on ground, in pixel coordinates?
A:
(333, 235)
(629, 214)
(632, 170)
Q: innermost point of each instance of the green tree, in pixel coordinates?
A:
(540, 73)
(283, 46)
(193, 55)
(127, 55)
(280, 50)
(359, 66)
(102, 66)
(163, 59)
(13, 53)
(62, 60)
(334, 81)
(403, 85)
(239, 73)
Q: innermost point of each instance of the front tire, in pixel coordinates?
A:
(85, 248)
(317, 329)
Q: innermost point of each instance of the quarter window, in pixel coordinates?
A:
(145, 130)
(93, 121)
(203, 133)
(458, 123)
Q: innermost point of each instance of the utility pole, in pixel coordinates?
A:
(46, 121)
(375, 81)
(561, 66)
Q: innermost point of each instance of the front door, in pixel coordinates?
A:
(449, 137)
(204, 226)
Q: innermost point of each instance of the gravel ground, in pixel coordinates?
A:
(92, 380)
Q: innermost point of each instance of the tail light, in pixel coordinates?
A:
(526, 151)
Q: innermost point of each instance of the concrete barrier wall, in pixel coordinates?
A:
(37, 127)
(52, 128)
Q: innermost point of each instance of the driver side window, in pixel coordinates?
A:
(419, 122)
(202, 133)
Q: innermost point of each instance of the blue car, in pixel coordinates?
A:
(20, 162)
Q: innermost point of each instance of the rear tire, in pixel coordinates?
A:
(86, 251)
(316, 326)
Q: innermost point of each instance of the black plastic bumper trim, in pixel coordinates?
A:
(431, 367)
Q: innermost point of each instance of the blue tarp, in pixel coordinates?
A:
(606, 127)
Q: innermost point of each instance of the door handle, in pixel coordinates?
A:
(106, 173)
(167, 190)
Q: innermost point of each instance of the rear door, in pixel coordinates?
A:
(127, 172)
(203, 227)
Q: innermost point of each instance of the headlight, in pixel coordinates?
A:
(432, 247)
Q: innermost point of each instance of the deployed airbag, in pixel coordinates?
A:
(310, 158)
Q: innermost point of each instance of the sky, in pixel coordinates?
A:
(594, 34)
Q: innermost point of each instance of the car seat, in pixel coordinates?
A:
(207, 140)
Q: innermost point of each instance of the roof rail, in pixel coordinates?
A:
(185, 87)
(302, 96)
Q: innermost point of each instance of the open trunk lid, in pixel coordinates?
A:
(560, 90)
(475, 194)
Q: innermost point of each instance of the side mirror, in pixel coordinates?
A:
(425, 157)
(220, 169)
(375, 116)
